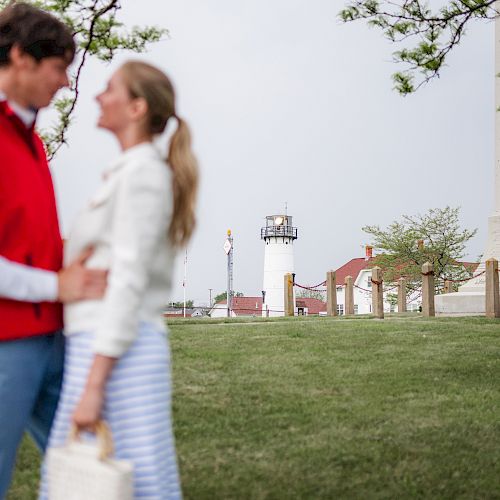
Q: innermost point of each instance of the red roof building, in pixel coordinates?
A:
(242, 306)
(310, 305)
(352, 268)
(252, 306)
(355, 266)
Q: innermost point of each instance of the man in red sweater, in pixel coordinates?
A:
(35, 52)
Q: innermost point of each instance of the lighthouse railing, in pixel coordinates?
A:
(281, 231)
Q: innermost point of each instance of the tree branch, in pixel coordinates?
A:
(435, 35)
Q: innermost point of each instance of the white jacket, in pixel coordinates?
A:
(126, 222)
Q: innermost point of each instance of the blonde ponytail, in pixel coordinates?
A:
(149, 83)
(185, 185)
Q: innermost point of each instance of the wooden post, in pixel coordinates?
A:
(492, 292)
(289, 305)
(331, 293)
(349, 296)
(448, 286)
(428, 290)
(377, 293)
(402, 295)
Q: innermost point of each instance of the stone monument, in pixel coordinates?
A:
(470, 299)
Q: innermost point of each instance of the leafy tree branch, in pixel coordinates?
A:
(98, 34)
(435, 237)
(223, 296)
(311, 294)
(426, 36)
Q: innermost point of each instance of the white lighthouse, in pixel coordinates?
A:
(278, 236)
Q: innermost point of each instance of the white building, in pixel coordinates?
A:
(360, 269)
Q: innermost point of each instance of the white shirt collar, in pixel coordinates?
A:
(27, 116)
(140, 151)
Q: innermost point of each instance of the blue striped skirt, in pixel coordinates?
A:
(137, 408)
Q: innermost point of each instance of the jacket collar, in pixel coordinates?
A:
(27, 116)
(143, 151)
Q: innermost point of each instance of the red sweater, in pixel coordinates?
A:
(29, 228)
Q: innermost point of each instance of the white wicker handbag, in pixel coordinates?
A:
(84, 471)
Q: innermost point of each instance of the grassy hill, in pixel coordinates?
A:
(332, 408)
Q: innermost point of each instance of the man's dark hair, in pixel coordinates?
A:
(36, 32)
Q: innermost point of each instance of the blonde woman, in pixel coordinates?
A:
(117, 360)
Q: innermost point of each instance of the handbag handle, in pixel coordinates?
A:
(104, 438)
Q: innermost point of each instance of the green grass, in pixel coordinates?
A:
(332, 408)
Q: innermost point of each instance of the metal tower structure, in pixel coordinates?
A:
(229, 249)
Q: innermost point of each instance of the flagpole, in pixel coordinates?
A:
(184, 282)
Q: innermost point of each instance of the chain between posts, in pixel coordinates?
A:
(323, 283)
(313, 288)
(316, 288)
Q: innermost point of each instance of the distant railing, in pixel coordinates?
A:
(281, 231)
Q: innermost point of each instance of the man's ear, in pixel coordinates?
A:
(20, 59)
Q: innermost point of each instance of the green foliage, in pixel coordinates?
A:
(52, 137)
(311, 294)
(180, 305)
(427, 36)
(442, 244)
(223, 296)
(391, 298)
(98, 34)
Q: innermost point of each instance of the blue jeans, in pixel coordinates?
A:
(30, 382)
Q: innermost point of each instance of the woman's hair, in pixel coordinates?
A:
(151, 84)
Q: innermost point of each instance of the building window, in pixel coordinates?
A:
(393, 308)
(340, 309)
(355, 308)
(369, 283)
(340, 288)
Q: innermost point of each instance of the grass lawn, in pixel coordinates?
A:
(332, 408)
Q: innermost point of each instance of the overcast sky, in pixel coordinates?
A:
(288, 105)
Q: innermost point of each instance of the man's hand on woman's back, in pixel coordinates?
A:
(76, 282)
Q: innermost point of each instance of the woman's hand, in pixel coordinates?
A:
(88, 411)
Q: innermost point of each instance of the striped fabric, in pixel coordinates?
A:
(137, 408)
